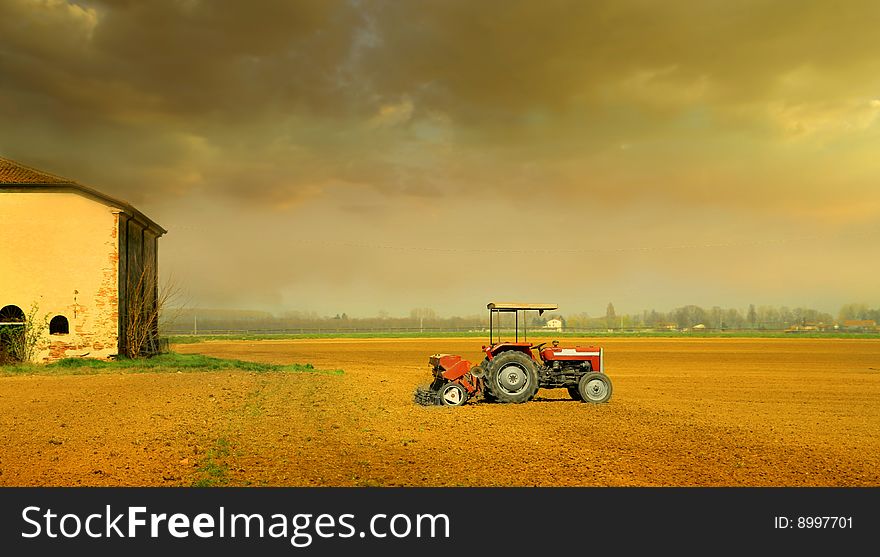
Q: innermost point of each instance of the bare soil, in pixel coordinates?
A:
(704, 412)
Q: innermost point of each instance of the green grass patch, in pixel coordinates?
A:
(162, 363)
(214, 471)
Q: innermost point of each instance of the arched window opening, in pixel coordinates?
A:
(59, 325)
(11, 314)
(12, 321)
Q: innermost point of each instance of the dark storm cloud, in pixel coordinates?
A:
(228, 59)
(166, 89)
(178, 58)
(272, 101)
(733, 102)
(500, 59)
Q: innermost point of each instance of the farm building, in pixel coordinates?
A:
(77, 260)
(864, 325)
(554, 324)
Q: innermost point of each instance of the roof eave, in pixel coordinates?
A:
(86, 191)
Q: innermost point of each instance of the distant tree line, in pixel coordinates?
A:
(204, 320)
(427, 319)
(859, 311)
(689, 316)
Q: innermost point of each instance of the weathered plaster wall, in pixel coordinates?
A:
(61, 251)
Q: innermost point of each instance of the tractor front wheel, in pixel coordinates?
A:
(594, 387)
(453, 394)
(512, 377)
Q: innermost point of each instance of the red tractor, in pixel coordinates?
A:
(510, 372)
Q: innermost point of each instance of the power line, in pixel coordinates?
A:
(538, 251)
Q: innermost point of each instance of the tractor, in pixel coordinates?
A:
(511, 372)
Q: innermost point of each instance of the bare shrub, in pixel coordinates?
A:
(22, 343)
(144, 305)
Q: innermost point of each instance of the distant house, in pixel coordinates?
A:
(859, 325)
(85, 260)
(699, 327)
(666, 326)
(554, 324)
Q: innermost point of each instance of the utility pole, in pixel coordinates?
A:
(195, 324)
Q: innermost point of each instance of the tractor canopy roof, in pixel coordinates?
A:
(516, 306)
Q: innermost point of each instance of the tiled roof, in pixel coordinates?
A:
(12, 172)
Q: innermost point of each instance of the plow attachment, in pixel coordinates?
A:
(427, 395)
(453, 382)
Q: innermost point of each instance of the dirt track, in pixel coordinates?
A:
(715, 412)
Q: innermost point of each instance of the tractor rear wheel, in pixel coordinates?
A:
(512, 377)
(453, 394)
(594, 387)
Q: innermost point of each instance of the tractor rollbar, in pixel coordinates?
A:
(515, 325)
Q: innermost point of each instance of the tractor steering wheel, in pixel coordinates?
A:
(538, 346)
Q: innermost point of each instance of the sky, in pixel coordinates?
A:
(377, 156)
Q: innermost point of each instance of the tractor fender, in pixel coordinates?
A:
(496, 350)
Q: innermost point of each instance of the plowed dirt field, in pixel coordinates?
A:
(702, 412)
